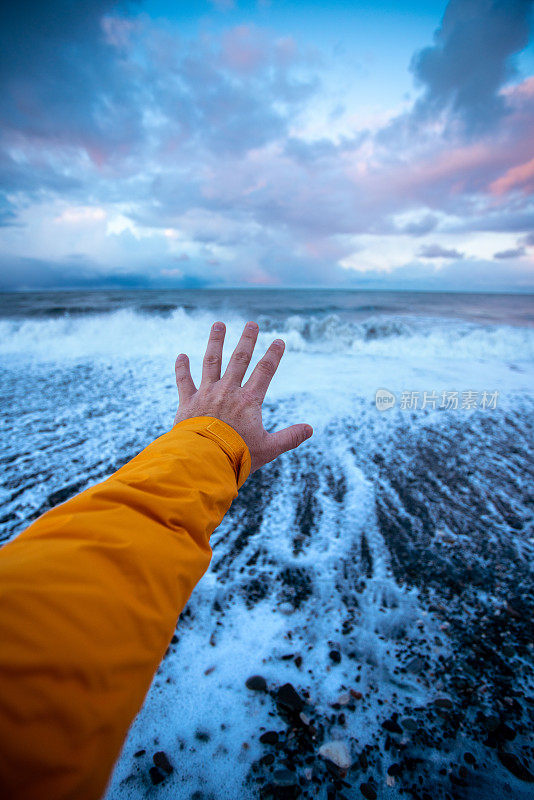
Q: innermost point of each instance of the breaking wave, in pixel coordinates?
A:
(128, 332)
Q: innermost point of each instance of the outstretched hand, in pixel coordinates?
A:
(229, 401)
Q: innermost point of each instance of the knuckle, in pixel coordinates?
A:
(241, 357)
(266, 366)
(212, 360)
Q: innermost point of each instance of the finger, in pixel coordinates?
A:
(263, 372)
(184, 381)
(240, 359)
(211, 366)
(288, 439)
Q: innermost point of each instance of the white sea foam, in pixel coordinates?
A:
(127, 333)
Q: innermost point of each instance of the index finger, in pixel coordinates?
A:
(263, 372)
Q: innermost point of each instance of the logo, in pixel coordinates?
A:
(384, 399)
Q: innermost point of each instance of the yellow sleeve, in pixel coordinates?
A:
(89, 599)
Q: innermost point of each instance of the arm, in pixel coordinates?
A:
(90, 593)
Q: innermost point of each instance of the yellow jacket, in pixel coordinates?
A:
(89, 599)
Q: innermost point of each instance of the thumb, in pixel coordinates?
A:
(289, 438)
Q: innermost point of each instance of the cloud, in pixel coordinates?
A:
(462, 72)
(437, 251)
(140, 146)
(519, 178)
(61, 80)
(420, 227)
(513, 252)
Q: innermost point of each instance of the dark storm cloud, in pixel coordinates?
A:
(469, 61)
(437, 251)
(59, 77)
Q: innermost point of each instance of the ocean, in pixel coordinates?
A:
(384, 569)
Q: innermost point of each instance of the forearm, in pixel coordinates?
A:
(90, 595)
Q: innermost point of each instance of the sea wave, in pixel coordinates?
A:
(128, 332)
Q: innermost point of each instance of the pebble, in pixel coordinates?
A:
(288, 696)
(415, 665)
(269, 737)
(409, 724)
(284, 777)
(368, 791)
(443, 702)
(338, 752)
(256, 683)
(335, 656)
(491, 722)
(392, 726)
(156, 776)
(160, 760)
(515, 766)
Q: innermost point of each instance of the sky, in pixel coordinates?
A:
(265, 143)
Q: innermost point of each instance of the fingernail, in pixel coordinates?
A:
(279, 342)
(252, 326)
(218, 326)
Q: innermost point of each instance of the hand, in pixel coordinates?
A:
(239, 406)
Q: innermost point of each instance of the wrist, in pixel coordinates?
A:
(227, 438)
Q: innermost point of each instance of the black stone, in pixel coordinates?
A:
(335, 656)
(139, 753)
(160, 760)
(443, 702)
(392, 726)
(284, 777)
(256, 683)
(415, 665)
(515, 766)
(368, 791)
(156, 776)
(269, 737)
(288, 696)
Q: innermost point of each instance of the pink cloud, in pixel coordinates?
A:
(520, 177)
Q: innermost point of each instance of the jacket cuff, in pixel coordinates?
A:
(227, 438)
